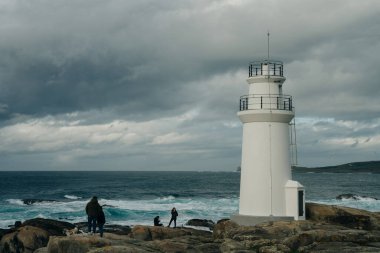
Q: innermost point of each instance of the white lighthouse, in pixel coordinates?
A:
(267, 191)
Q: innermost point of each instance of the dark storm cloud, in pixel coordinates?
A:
(139, 56)
(60, 57)
(88, 66)
(75, 59)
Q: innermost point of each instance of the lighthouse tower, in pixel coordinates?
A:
(267, 191)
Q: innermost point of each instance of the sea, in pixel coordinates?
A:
(131, 198)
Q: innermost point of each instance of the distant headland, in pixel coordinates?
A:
(355, 167)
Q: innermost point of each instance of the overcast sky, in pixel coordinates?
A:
(155, 85)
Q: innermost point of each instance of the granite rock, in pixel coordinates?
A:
(108, 228)
(354, 230)
(148, 233)
(177, 240)
(201, 223)
(345, 216)
(25, 239)
(53, 227)
(328, 229)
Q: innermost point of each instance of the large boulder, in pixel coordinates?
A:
(334, 247)
(33, 201)
(345, 216)
(141, 233)
(75, 244)
(160, 233)
(108, 228)
(31, 235)
(291, 236)
(189, 243)
(3, 232)
(149, 233)
(170, 246)
(230, 245)
(41, 250)
(53, 227)
(201, 223)
(121, 249)
(25, 239)
(327, 229)
(224, 228)
(112, 243)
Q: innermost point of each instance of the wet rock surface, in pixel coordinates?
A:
(201, 223)
(33, 201)
(53, 227)
(327, 229)
(108, 228)
(25, 239)
(346, 216)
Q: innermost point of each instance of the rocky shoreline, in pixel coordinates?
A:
(327, 229)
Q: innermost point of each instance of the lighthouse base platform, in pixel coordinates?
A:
(247, 220)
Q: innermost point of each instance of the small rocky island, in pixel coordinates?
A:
(327, 229)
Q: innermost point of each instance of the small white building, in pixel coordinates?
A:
(267, 191)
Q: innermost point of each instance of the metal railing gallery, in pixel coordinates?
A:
(266, 68)
(266, 102)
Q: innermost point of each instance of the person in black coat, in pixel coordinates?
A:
(174, 217)
(101, 219)
(92, 210)
(156, 221)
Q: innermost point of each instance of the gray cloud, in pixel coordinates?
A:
(147, 61)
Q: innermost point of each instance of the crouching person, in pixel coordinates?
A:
(157, 221)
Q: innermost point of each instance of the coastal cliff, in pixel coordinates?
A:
(327, 229)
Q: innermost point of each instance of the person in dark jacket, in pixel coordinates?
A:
(101, 219)
(92, 210)
(157, 221)
(174, 217)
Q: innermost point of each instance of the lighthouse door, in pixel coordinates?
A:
(300, 203)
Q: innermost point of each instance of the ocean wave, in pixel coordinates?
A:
(16, 202)
(364, 198)
(128, 212)
(168, 198)
(27, 202)
(350, 196)
(37, 201)
(7, 223)
(365, 204)
(197, 227)
(72, 197)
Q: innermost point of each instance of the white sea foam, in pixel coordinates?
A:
(349, 197)
(198, 228)
(369, 204)
(186, 204)
(7, 223)
(167, 198)
(126, 212)
(132, 212)
(72, 197)
(40, 215)
(364, 198)
(16, 202)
